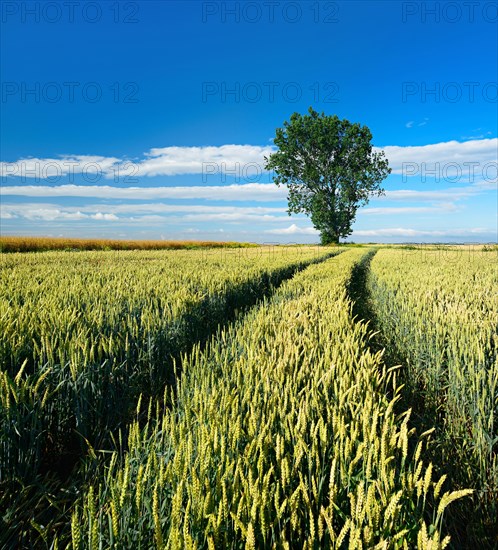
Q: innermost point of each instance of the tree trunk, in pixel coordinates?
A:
(329, 236)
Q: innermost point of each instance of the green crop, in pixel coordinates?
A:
(439, 310)
(282, 435)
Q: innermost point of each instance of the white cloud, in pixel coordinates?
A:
(104, 216)
(238, 160)
(134, 208)
(235, 217)
(471, 158)
(294, 230)
(147, 213)
(52, 213)
(442, 207)
(192, 209)
(412, 122)
(412, 195)
(243, 160)
(6, 215)
(244, 192)
(94, 167)
(156, 212)
(407, 232)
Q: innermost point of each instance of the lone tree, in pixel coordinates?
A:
(329, 168)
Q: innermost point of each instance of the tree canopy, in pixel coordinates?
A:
(330, 169)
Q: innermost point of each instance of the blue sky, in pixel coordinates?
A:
(151, 119)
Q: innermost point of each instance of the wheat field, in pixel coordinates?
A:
(233, 398)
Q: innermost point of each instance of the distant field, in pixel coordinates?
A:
(43, 244)
(39, 244)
